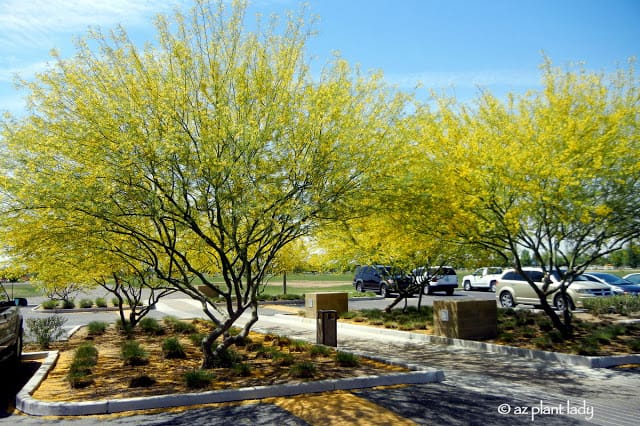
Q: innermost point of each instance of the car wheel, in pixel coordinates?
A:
(492, 287)
(383, 290)
(562, 303)
(506, 300)
(467, 286)
(449, 292)
(359, 288)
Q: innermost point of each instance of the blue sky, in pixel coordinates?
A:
(453, 45)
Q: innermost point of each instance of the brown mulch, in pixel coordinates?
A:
(111, 378)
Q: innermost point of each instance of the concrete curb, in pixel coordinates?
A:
(382, 334)
(29, 405)
(39, 309)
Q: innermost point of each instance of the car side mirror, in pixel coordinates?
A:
(20, 301)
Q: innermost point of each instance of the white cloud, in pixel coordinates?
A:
(40, 23)
(467, 79)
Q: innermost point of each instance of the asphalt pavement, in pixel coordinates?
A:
(480, 387)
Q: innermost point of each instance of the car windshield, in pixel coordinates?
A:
(612, 279)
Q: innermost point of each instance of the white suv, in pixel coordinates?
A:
(513, 289)
(436, 278)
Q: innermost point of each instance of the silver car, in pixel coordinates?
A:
(513, 289)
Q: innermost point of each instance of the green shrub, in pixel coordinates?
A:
(587, 347)
(349, 314)
(319, 350)
(101, 302)
(151, 326)
(124, 327)
(282, 358)
(196, 338)
(50, 304)
(96, 328)
(143, 381)
(242, 369)
(623, 305)
(178, 326)
(80, 371)
(115, 302)
(46, 330)
(133, 354)
(298, 346)
(346, 359)
(198, 379)
(172, 348)
(68, 304)
(86, 303)
(227, 358)
(304, 369)
(86, 354)
(545, 324)
(267, 352)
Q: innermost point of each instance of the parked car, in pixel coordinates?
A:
(436, 278)
(381, 279)
(634, 278)
(11, 329)
(484, 278)
(513, 289)
(617, 284)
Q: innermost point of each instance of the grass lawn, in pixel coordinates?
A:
(22, 289)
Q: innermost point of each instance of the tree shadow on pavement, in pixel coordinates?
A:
(12, 383)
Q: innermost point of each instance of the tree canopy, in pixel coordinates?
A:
(206, 152)
(213, 149)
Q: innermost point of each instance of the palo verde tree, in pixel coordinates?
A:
(209, 150)
(554, 172)
(70, 255)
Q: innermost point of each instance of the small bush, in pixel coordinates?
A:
(178, 326)
(143, 381)
(196, 338)
(68, 304)
(46, 330)
(242, 369)
(101, 302)
(319, 350)
(346, 359)
(79, 379)
(50, 304)
(267, 352)
(623, 305)
(151, 326)
(86, 303)
(133, 354)
(86, 354)
(298, 346)
(96, 328)
(349, 314)
(115, 302)
(227, 358)
(172, 348)
(198, 379)
(124, 327)
(282, 358)
(303, 370)
(84, 359)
